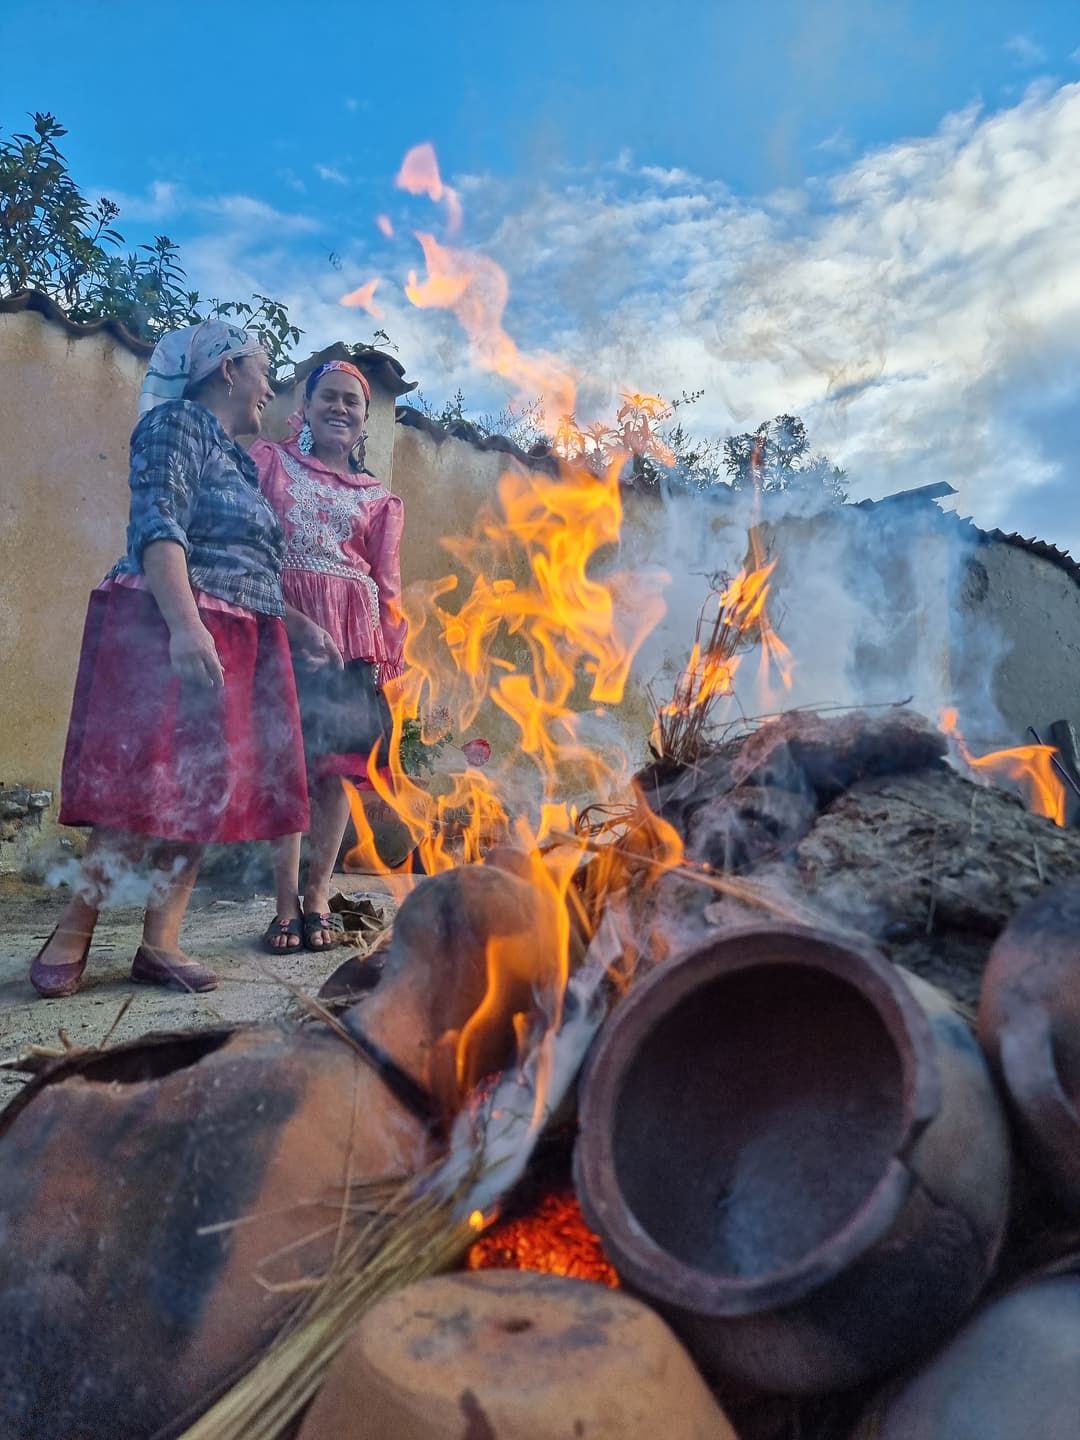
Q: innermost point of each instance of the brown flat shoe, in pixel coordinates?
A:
(54, 982)
(155, 967)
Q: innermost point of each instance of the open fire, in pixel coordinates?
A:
(533, 620)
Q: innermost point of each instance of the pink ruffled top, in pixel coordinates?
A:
(342, 565)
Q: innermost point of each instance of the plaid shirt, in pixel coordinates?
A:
(190, 483)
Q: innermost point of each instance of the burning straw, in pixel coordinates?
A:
(417, 1234)
(732, 619)
(424, 1228)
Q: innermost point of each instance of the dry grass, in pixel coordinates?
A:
(417, 1232)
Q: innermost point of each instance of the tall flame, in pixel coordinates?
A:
(534, 623)
(1031, 767)
(363, 298)
(476, 289)
(419, 175)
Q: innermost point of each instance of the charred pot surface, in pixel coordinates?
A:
(967, 1390)
(764, 1153)
(154, 1198)
(1029, 1027)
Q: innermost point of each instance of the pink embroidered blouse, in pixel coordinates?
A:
(342, 565)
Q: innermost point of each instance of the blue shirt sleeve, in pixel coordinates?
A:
(168, 449)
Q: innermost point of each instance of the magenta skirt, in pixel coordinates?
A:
(149, 755)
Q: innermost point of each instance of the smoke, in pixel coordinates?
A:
(872, 602)
(117, 881)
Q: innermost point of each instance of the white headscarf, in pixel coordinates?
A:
(184, 357)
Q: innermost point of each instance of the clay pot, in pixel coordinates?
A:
(1012, 1373)
(1029, 1027)
(131, 1296)
(510, 1355)
(797, 1155)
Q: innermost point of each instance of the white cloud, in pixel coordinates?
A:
(915, 309)
(920, 308)
(327, 172)
(158, 202)
(1025, 51)
(838, 143)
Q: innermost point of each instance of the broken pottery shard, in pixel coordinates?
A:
(841, 1157)
(130, 1271)
(512, 1356)
(1011, 1372)
(828, 753)
(1029, 1026)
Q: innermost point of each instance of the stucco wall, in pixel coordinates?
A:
(1033, 608)
(66, 411)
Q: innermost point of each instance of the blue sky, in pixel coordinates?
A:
(863, 212)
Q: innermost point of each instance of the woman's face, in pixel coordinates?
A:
(337, 412)
(251, 391)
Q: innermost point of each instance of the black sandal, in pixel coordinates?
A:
(315, 923)
(279, 927)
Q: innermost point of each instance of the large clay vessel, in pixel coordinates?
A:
(797, 1155)
(507, 1355)
(151, 1195)
(1029, 1026)
(1011, 1373)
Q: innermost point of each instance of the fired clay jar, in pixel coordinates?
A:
(1011, 1373)
(147, 1191)
(1029, 1026)
(796, 1154)
(508, 1355)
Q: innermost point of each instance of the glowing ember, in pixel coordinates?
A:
(553, 1239)
(1031, 767)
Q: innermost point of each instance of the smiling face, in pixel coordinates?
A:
(337, 413)
(251, 391)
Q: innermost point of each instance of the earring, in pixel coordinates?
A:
(305, 442)
(228, 387)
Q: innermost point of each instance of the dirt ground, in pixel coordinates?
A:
(221, 930)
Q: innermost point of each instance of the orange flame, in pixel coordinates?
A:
(740, 618)
(476, 289)
(419, 175)
(363, 298)
(525, 971)
(1031, 767)
(533, 625)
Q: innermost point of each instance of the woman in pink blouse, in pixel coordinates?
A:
(341, 570)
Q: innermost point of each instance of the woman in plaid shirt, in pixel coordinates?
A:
(184, 728)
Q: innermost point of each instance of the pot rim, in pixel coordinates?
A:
(632, 1249)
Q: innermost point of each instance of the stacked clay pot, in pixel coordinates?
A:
(797, 1155)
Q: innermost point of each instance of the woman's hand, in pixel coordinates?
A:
(312, 646)
(194, 657)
